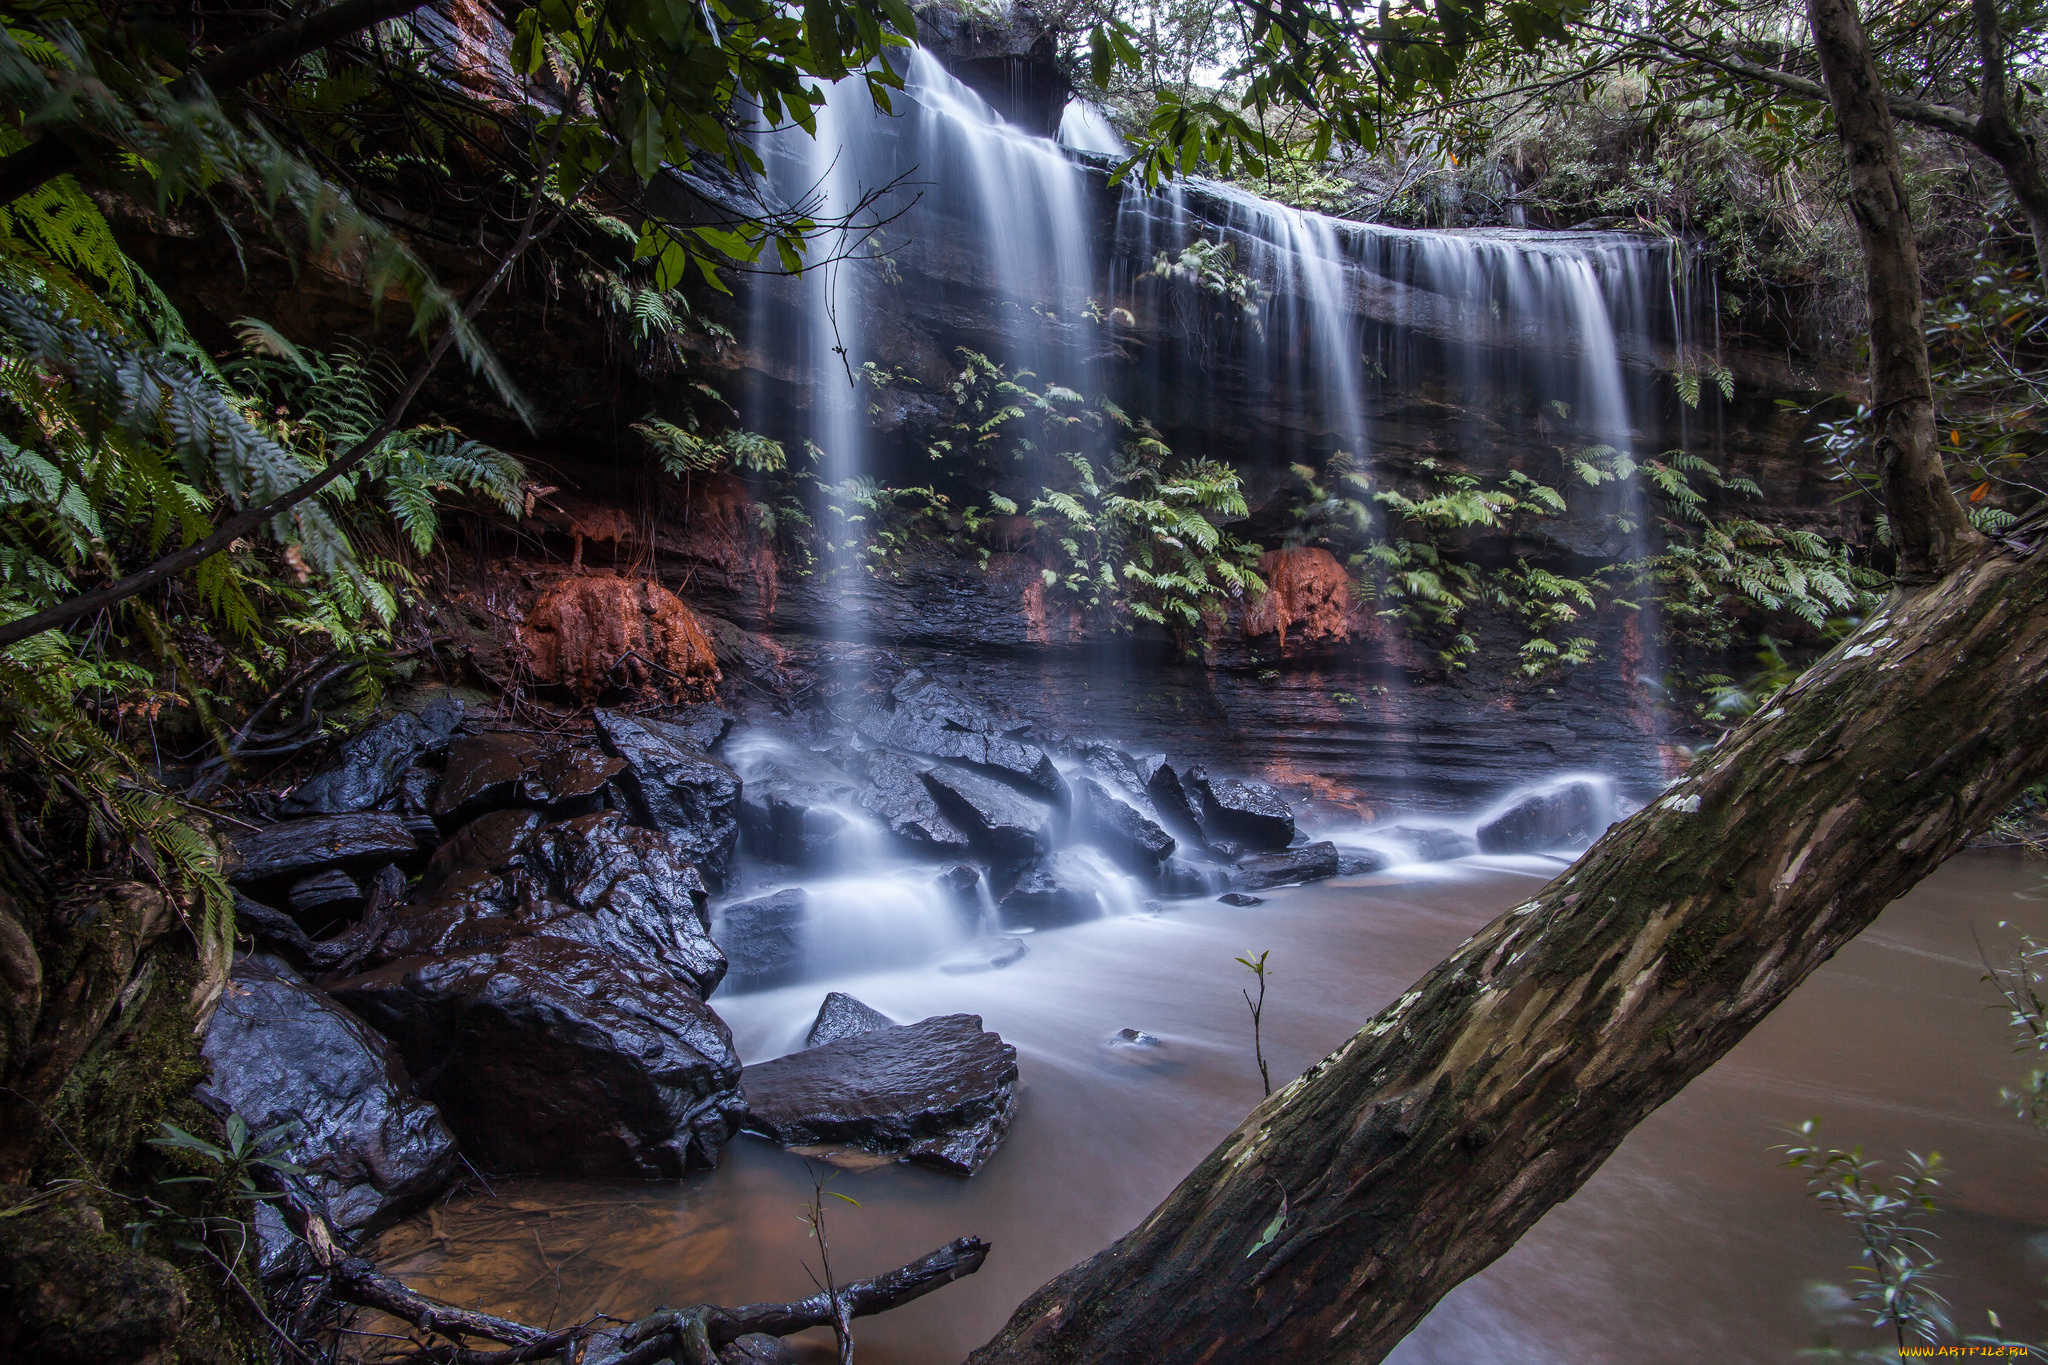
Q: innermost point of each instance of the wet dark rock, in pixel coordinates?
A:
(922, 715)
(282, 1052)
(1240, 899)
(896, 795)
(790, 811)
(367, 769)
(989, 954)
(1002, 822)
(1118, 771)
(1169, 797)
(1130, 1037)
(670, 785)
(485, 846)
(284, 853)
(1351, 864)
(638, 890)
(497, 770)
(938, 1092)
(962, 881)
(1309, 863)
(1046, 893)
(546, 1055)
(1565, 814)
(764, 939)
(704, 726)
(842, 1016)
(325, 895)
(1178, 877)
(1118, 829)
(413, 800)
(72, 1293)
(1226, 850)
(1435, 843)
(1251, 813)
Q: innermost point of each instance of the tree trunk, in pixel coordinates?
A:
(1996, 136)
(1929, 530)
(1354, 1199)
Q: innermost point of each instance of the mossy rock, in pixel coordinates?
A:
(70, 1291)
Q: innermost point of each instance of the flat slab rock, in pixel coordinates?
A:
(1309, 863)
(938, 1092)
(285, 853)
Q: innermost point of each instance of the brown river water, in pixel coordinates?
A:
(1692, 1244)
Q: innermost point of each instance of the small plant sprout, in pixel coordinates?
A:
(812, 1216)
(1257, 967)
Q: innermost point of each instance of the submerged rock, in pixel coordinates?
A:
(1435, 843)
(961, 881)
(1178, 877)
(1047, 894)
(989, 954)
(549, 1056)
(282, 1052)
(287, 852)
(896, 795)
(1250, 812)
(367, 770)
(1119, 829)
(1005, 823)
(938, 1092)
(670, 785)
(1240, 899)
(1130, 1037)
(764, 939)
(922, 715)
(1352, 862)
(1309, 863)
(842, 1016)
(1565, 814)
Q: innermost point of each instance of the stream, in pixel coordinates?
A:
(1691, 1244)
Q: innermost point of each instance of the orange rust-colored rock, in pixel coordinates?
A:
(1308, 595)
(590, 634)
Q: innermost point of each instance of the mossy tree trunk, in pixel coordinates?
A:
(1348, 1204)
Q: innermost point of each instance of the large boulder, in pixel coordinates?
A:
(1048, 893)
(1249, 813)
(842, 1016)
(277, 857)
(367, 770)
(1002, 822)
(793, 811)
(673, 786)
(763, 939)
(1309, 863)
(1118, 771)
(921, 715)
(1118, 828)
(546, 1055)
(1568, 813)
(937, 1092)
(1176, 808)
(895, 794)
(639, 892)
(499, 769)
(282, 1052)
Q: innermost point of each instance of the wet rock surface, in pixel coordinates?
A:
(938, 1092)
(1250, 813)
(281, 1051)
(999, 821)
(763, 939)
(921, 715)
(1566, 814)
(791, 811)
(1434, 843)
(367, 771)
(284, 853)
(670, 784)
(496, 770)
(1119, 829)
(1310, 862)
(1048, 892)
(1170, 797)
(842, 1016)
(642, 896)
(988, 954)
(546, 1055)
(1240, 899)
(895, 793)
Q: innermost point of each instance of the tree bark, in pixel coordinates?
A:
(1996, 136)
(1354, 1199)
(1929, 530)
